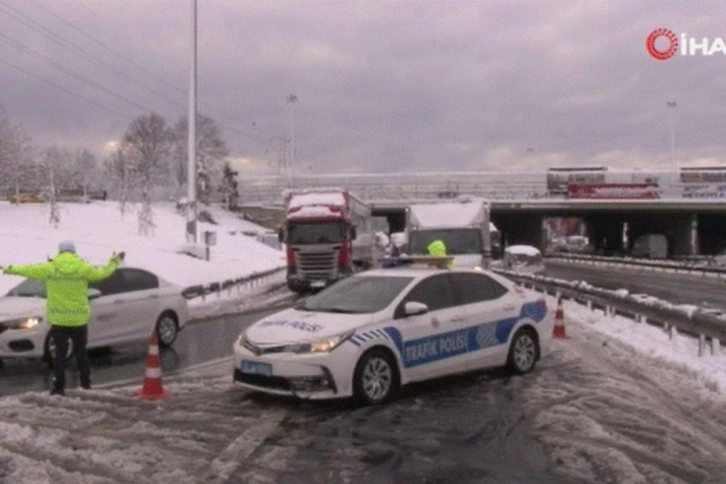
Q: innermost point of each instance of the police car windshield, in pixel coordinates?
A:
(357, 295)
(28, 288)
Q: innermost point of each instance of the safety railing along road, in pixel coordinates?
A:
(706, 325)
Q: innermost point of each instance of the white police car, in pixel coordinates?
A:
(370, 333)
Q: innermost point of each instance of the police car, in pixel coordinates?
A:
(375, 331)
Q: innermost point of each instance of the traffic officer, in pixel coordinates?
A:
(66, 279)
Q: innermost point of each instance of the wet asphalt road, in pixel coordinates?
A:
(676, 288)
(198, 342)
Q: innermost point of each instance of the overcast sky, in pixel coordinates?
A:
(380, 85)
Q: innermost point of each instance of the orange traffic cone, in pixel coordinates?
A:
(558, 330)
(151, 388)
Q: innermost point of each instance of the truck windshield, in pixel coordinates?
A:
(315, 233)
(458, 241)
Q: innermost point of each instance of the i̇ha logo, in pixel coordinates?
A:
(670, 44)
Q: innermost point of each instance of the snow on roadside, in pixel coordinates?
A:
(681, 351)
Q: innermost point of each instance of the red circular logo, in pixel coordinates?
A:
(661, 54)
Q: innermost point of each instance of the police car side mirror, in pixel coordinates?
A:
(93, 293)
(413, 308)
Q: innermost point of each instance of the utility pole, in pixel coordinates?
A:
(191, 231)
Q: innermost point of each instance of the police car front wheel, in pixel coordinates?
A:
(376, 377)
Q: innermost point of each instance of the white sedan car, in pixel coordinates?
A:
(367, 335)
(524, 259)
(125, 307)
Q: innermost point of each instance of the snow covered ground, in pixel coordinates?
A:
(98, 229)
(205, 430)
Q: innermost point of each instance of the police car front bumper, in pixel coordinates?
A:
(308, 376)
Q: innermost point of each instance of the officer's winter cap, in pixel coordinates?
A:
(66, 246)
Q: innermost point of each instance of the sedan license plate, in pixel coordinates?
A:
(256, 368)
(317, 284)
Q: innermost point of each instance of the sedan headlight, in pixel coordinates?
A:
(323, 345)
(241, 338)
(24, 323)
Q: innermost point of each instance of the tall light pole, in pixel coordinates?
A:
(291, 100)
(672, 108)
(192, 141)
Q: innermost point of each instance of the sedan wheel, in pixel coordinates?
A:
(166, 329)
(523, 352)
(375, 377)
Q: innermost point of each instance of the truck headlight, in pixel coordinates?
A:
(24, 323)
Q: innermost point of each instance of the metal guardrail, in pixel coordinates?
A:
(698, 322)
(689, 266)
(249, 281)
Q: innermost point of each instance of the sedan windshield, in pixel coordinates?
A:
(365, 294)
(28, 288)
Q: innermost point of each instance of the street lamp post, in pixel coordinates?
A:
(291, 100)
(191, 229)
(672, 108)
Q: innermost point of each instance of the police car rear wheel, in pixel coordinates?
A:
(376, 377)
(523, 352)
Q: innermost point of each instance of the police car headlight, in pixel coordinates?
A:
(24, 323)
(323, 345)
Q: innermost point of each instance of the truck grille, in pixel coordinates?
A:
(317, 265)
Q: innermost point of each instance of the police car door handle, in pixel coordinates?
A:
(457, 319)
(118, 301)
(152, 296)
(510, 307)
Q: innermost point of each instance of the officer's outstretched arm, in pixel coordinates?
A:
(32, 271)
(94, 273)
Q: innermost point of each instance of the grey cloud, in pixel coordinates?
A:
(393, 86)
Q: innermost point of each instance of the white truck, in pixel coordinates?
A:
(463, 226)
(328, 236)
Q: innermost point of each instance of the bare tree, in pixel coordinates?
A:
(123, 173)
(16, 157)
(55, 166)
(147, 146)
(85, 170)
(211, 152)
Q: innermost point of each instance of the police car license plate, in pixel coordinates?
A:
(256, 368)
(317, 284)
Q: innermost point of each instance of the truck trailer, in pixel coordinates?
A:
(328, 236)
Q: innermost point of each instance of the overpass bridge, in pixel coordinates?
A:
(691, 212)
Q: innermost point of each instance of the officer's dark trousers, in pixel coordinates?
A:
(79, 338)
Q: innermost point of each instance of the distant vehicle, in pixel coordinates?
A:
(328, 234)
(463, 226)
(651, 246)
(377, 330)
(26, 198)
(523, 258)
(127, 306)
